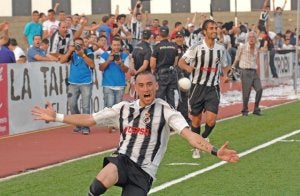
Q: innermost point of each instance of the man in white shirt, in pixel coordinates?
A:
(50, 25)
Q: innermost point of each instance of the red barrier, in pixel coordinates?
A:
(4, 125)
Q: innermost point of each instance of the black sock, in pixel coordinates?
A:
(96, 188)
(196, 129)
(207, 131)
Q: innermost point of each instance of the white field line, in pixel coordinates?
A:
(96, 154)
(290, 141)
(191, 175)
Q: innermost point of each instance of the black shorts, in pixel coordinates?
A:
(204, 98)
(132, 178)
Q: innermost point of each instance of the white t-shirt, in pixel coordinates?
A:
(50, 26)
(18, 52)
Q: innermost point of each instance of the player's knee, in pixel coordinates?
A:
(210, 123)
(96, 188)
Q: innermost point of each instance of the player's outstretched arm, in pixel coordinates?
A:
(48, 114)
(199, 142)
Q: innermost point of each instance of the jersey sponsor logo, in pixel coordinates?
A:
(136, 130)
(208, 69)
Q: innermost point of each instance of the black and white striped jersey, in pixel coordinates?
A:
(207, 62)
(144, 132)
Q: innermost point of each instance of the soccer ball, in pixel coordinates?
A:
(184, 84)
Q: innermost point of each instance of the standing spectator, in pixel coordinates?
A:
(204, 62)
(136, 24)
(178, 27)
(290, 36)
(278, 41)
(61, 40)
(36, 53)
(191, 35)
(42, 17)
(61, 16)
(278, 22)
(155, 27)
(75, 22)
(105, 28)
(114, 64)
(102, 46)
(164, 57)
(263, 23)
(165, 23)
(145, 131)
(122, 30)
(6, 55)
(183, 98)
(80, 80)
(141, 54)
(50, 25)
(287, 44)
(266, 44)
(246, 56)
(31, 29)
(19, 53)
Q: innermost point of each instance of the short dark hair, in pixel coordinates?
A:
(45, 41)
(36, 36)
(145, 72)
(51, 11)
(177, 23)
(121, 16)
(105, 19)
(78, 38)
(42, 14)
(13, 41)
(116, 38)
(206, 22)
(102, 36)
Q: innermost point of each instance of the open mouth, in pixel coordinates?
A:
(147, 95)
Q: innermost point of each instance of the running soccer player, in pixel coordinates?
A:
(204, 62)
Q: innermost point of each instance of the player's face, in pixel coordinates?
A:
(146, 87)
(211, 31)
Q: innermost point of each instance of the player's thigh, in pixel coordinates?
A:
(108, 175)
(212, 100)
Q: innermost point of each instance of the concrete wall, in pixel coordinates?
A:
(8, 7)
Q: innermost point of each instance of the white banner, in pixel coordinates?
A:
(283, 61)
(35, 83)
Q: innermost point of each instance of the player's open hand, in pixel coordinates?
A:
(47, 113)
(228, 155)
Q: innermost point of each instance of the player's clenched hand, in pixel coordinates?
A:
(190, 69)
(47, 113)
(227, 154)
